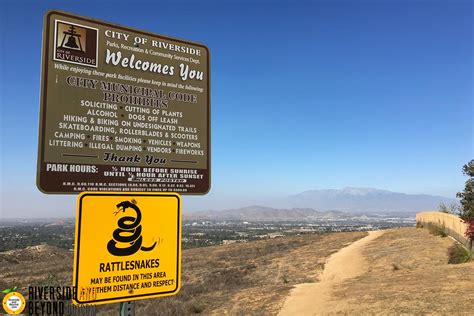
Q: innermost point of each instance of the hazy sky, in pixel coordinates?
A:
(305, 94)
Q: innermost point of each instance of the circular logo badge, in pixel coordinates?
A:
(14, 303)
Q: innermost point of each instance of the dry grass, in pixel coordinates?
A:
(38, 266)
(422, 283)
(408, 274)
(248, 279)
(238, 279)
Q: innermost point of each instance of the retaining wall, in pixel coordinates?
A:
(452, 225)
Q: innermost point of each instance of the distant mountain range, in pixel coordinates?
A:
(320, 204)
(367, 200)
(363, 200)
(264, 214)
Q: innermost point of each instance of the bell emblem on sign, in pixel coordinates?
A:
(71, 36)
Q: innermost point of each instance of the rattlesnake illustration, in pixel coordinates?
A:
(129, 231)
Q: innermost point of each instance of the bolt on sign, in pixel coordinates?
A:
(128, 246)
(122, 110)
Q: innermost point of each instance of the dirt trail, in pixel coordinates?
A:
(315, 298)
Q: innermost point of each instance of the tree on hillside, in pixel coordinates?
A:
(466, 212)
(453, 208)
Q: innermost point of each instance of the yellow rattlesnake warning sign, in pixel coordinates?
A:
(128, 246)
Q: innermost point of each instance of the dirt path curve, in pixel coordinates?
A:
(315, 298)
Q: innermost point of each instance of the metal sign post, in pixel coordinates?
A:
(127, 308)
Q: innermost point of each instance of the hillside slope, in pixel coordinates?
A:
(244, 278)
(406, 273)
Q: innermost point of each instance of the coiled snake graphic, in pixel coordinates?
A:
(129, 231)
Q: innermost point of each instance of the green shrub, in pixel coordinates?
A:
(435, 229)
(458, 254)
(443, 208)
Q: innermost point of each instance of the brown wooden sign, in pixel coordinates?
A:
(122, 110)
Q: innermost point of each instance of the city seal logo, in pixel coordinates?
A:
(13, 303)
(128, 235)
(75, 43)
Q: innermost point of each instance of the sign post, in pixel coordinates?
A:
(127, 309)
(124, 119)
(122, 110)
(128, 247)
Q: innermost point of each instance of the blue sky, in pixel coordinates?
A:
(305, 94)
